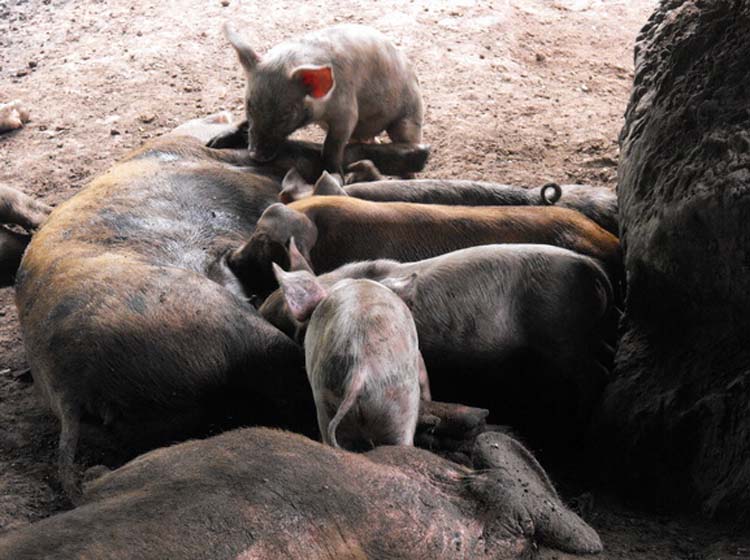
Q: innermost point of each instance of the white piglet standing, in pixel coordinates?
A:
(362, 359)
(350, 79)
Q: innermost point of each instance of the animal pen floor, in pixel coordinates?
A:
(517, 91)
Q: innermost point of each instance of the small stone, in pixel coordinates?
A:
(540, 57)
(114, 132)
(32, 63)
(225, 3)
(22, 72)
(585, 88)
(147, 118)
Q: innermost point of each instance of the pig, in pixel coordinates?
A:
(19, 209)
(596, 203)
(350, 79)
(129, 313)
(257, 493)
(362, 359)
(477, 308)
(334, 230)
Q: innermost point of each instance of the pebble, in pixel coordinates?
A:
(114, 132)
(225, 3)
(540, 57)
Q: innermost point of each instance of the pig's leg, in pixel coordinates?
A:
(424, 380)
(12, 246)
(235, 137)
(323, 421)
(69, 431)
(335, 143)
(406, 131)
(20, 209)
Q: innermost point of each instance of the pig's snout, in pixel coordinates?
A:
(264, 155)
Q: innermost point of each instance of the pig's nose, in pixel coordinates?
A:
(263, 156)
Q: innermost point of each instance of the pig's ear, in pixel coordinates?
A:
(363, 171)
(294, 187)
(297, 260)
(317, 80)
(301, 290)
(328, 185)
(248, 57)
(404, 287)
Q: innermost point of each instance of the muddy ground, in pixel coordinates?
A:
(517, 91)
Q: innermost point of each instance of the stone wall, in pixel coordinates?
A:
(677, 416)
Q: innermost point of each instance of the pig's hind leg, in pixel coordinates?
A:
(408, 131)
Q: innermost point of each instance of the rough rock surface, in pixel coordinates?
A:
(679, 407)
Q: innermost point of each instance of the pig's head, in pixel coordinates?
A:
(516, 496)
(269, 244)
(275, 308)
(279, 99)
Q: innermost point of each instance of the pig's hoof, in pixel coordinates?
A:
(222, 117)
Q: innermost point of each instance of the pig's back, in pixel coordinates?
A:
(246, 491)
(361, 324)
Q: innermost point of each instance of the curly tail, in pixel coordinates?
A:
(356, 384)
(549, 200)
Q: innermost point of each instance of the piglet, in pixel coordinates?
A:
(350, 79)
(362, 359)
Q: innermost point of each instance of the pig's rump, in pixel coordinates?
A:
(126, 310)
(130, 342)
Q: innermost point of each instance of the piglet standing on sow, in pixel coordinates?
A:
(350, 79)
(362, 359)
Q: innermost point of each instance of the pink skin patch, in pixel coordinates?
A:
(318, 81)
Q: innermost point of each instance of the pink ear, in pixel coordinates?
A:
(318, 80)
(297, 260)
(301, 290)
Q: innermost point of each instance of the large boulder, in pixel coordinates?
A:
(677, 415)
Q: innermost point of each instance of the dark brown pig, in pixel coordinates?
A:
(477, 308)
(18, 209)
(333, 230)
(129, 312)
(596, 203)
(258, 494)
(362, 359)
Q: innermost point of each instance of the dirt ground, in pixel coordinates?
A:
(517, 91)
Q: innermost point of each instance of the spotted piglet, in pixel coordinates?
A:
(362, 359)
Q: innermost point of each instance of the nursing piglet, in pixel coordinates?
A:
(362, 359)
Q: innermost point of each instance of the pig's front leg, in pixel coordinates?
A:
(20, 209)
(12, 246)
(333, 149)
(234, 138)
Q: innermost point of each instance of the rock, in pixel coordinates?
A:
(12, 116)
(114, 132)
(676, 419)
